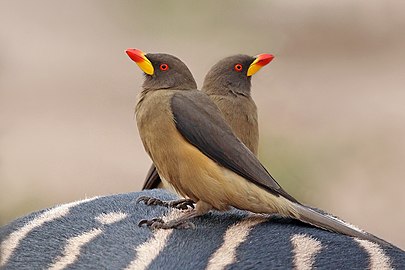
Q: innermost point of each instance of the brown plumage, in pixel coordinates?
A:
(230, 90)
(196, 151)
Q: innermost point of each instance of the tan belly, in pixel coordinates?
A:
(200, 178)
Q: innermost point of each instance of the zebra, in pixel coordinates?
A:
(103, 233)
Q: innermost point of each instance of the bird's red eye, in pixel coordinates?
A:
(164, 67)
(238, 67)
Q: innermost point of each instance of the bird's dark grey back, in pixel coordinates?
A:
(102, 233)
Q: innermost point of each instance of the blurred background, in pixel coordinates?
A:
(331, 104)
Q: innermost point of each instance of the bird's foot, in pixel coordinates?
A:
(151, 201)
(182, 204)
(158, 223)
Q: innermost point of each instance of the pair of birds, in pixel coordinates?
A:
(204, 143)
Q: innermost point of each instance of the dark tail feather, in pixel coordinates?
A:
(323, 221)
(152, 179)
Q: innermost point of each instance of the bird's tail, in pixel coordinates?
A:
(330, 223)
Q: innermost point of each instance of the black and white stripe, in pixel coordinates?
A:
(102, 232)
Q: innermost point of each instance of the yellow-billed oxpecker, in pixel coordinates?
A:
(196, 151)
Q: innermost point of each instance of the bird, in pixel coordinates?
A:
(196, 151)
(230, 90)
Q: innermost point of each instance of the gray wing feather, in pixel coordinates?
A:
(200, 122)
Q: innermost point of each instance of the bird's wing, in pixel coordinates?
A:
(200, 122)
(152, 178)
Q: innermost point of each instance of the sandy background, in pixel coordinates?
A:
(331, 105)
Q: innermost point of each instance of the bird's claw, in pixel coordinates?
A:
(182, 204)
(151, 201)
(158, 223)
(149, 222)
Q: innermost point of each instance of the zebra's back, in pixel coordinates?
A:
(102, 233)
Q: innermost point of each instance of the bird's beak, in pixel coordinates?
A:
(140, 59)
(260, 61)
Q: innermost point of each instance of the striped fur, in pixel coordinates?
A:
(102, 233)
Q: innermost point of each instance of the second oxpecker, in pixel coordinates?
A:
(229, 87)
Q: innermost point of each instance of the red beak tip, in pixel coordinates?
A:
(135, 55)
(264, 59)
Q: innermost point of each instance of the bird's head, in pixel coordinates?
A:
(233, 73)
(162, 71)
